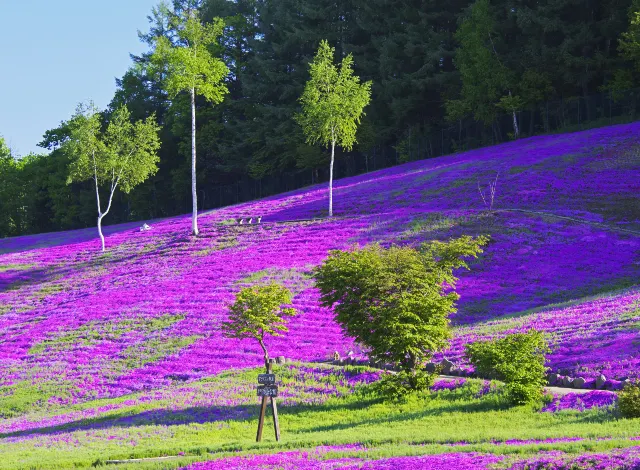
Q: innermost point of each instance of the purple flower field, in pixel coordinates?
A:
(147, 313)
(77, 325)
(627, 459)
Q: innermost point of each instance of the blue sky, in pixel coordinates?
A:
(54, 54)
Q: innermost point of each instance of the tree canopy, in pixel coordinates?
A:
(124, 156)
(396, 301)
(259, 312)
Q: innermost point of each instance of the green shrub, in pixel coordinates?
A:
(518, 360)
(397, 386)
(397, 301)
(629, 401)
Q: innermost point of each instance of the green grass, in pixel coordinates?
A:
(95, 332)
(423, 424)
(15, 267)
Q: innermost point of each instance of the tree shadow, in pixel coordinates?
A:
(52, 239)
(193, 415)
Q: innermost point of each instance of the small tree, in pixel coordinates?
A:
(124, 156)
(332, 104)
(189, 66)
(257, 312)
(397, 301)
(517, 359)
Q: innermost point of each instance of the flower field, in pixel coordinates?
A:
(82, 332)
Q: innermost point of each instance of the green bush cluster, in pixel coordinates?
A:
(629, 401)
(396, 386)
(518, 360)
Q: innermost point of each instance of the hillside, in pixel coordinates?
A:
(145, 314)
(120, 354)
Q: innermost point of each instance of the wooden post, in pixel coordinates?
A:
(276, 425)
(263, 410)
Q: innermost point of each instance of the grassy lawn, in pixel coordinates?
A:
(317, 409)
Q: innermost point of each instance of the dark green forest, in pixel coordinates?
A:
(447, 76)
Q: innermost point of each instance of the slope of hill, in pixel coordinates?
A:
(76, 324)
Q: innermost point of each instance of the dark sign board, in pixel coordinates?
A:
(268, 391)
(267, 379)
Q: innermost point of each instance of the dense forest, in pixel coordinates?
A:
(447, 76)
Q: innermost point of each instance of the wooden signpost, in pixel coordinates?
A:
(268, 390)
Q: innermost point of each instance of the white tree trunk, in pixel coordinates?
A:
(333, 150)
(516, 130)
(194, 194)
(100, 216)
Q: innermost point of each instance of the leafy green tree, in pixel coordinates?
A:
(395, 301)
(123, 156)
(332, 105)
(517, 359)
(258, 312)
(484, 76)
(189, 66)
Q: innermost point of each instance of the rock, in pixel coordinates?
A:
(430, 367)
(552, 379)
(281, 360)
(567, 381)
(446, 366)
(578, 382)
(601, 382)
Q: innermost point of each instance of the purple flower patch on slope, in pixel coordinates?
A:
(70, 293)
(581, 402)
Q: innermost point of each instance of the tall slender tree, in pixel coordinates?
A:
(332, 105)
(123, 156)
(190, 67)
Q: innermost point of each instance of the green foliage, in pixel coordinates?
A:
(629, 401)
(187, 62)
(333, 101)
(484, 77)
(398, 386)
(510, 103)
(629, 41)
(393, 300)
(258, 312)
(124, 156)
(517, 359)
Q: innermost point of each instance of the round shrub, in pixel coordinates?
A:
(629, 401)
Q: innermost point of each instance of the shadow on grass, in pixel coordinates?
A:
(194, 415)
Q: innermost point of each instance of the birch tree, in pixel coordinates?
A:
(332, 105)
(188, 66)
(124, 156)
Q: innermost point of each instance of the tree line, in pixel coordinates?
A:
(429, 63)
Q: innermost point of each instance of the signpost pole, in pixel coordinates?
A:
(268, 389)
(263, 410)
(275, 418)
